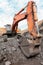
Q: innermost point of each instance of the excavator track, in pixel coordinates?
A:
(29, 49)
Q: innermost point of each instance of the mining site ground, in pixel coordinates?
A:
(11, 53)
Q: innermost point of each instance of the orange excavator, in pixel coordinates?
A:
(30, 46)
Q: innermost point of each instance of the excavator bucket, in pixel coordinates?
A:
(29, 47)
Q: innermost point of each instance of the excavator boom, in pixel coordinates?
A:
(30, 15)
(17, 19)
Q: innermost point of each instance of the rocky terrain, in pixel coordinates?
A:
(10, 54)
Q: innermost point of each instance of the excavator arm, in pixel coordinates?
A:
(30, 15)
(17, 19)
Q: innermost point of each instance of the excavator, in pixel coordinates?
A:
(29, 46)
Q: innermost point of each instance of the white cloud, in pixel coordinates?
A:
(40, 14)
(5, 19)
(23, 25)
(7, 16)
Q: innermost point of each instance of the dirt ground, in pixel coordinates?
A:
(9, 51)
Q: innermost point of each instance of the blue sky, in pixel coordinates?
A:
(8, 8)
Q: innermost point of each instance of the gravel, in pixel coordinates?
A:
(10, 53)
